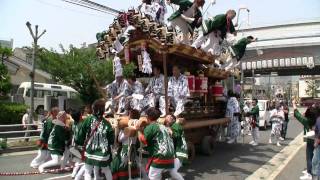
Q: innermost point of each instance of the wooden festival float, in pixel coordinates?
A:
(205, 109)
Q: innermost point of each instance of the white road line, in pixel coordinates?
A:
(273, 167)
(19, 153)
(58, 177)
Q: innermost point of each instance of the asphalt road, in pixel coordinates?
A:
(229, 162)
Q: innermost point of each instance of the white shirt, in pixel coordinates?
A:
(25, 119)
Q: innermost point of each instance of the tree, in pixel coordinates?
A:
(73, 68)
(5, 52)
(5, 85)
(311, 88)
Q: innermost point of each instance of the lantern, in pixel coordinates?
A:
(191, 83)
(217, 90)
(201, 84)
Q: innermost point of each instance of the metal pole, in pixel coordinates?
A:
(164, 56)
(35, 38)
(269, 88)
(253, 84)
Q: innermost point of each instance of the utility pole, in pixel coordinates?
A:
(35, 38)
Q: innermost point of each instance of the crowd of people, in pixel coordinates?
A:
(89, 143)
(245, 119)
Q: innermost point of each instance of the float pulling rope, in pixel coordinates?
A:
(52, 171)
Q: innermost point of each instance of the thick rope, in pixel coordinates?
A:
(52, 171)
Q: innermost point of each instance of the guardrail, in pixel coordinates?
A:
(19, 134)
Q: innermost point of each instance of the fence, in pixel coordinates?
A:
(12, 132)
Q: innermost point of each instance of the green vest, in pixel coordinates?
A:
(255, 114)
(46, 130)
(98, 147)
(183, 6)
(180, 143)
(57, 139)
(240, 47)
(219, 22)
(160, 146)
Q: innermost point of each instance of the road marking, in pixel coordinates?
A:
(273, 167)
(19, 153)
(58, 177)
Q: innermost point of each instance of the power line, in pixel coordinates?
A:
(94, 6)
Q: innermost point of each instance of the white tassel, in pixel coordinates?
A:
(117, 66)
(146, 66)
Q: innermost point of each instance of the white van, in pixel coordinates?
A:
(264, 113)
(42, 90)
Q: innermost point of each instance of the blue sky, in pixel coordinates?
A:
(70, 24)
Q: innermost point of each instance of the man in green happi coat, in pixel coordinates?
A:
(160, 147)
(187, 17)
(237, 51)
(214, 31)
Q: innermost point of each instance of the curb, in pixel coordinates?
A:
(17, 149)
(273, 167)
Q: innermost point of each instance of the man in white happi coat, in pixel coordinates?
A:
(118, 91)
(155, 88)
(136, 92)
(178, 92)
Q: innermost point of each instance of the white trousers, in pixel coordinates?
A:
(177, 103)
(78, 171)
(89, 168)
(255, 134)
(55, 161)
(180, 24)
(65, 158)
(209, 43)
(42, 157)
(156, 173)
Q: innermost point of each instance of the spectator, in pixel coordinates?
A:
(233, 112)
(308, 122)
(25, 121)
(277, 118)
(285, 122)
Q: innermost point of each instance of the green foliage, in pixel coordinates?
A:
(11, 113)
(5, 52)
(3, 143)
(76, 68)
(312, 88)
(128, 70)
(5, 85)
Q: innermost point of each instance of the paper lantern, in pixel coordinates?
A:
(293, 62)
(191, 83)
(299, 61)
(282, 63)
(259, 65)
(201, 84)
(217, 90)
